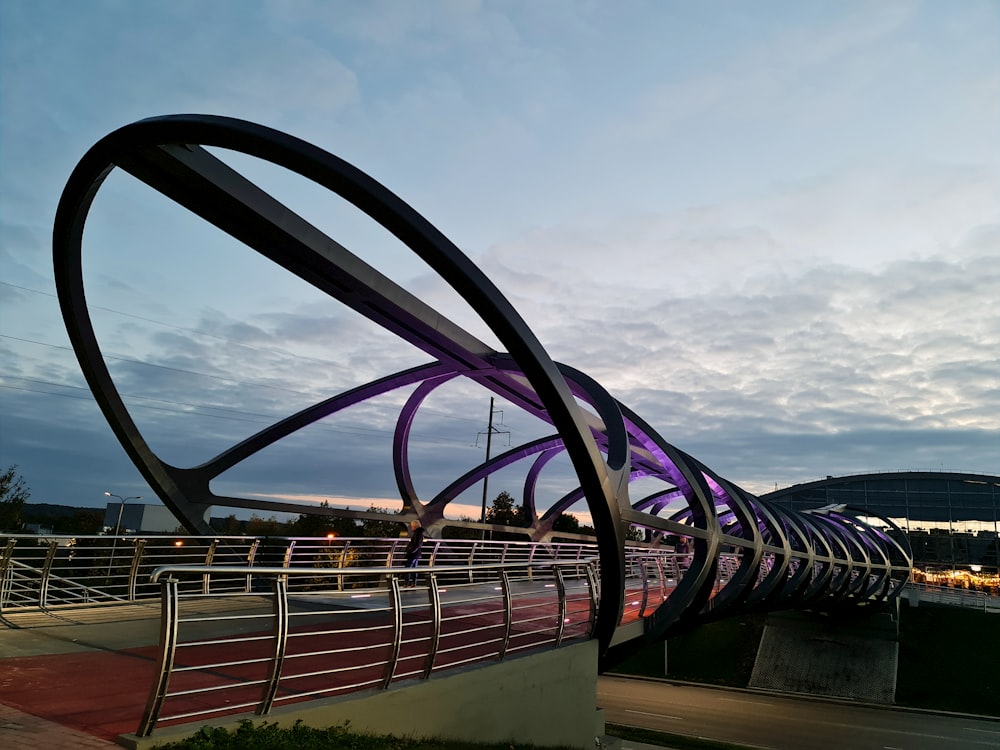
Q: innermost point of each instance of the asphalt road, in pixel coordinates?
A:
(782, 723)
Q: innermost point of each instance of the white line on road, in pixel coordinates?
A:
(647, 713)
(749, 703)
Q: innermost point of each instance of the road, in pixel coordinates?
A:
(782, 723)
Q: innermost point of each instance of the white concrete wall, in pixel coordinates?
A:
(549, 698)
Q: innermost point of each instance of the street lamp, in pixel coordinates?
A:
(121, 508)
(118, 526)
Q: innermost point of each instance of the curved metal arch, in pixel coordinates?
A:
(401, 441)
(841, 560)
(531, 482)
(167, 154)
(500, 461)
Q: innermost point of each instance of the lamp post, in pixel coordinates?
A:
(118, 526)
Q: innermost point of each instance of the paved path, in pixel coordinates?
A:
(22, 731)
(777, 722)
(87, 672)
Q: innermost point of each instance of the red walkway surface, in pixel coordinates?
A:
(87, 670)
(88, 673)
(102, 694)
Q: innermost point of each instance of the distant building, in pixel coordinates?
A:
(952, 520)
(137, 518)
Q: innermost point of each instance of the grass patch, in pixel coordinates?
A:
(265, 736)
(666, 739)
(949, 660)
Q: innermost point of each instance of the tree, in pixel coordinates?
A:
(635, 534)
(381, 529)
(258, 526)
(504, 511)
(230, 525)
(13, 494)
(567, 522)
(313, 525)
(462, 532)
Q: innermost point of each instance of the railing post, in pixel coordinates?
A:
(508, 612)
(288, 553)
(396, 608)
(592, 585)
(561, 588)
(251, 555)
(391, 553)
(472, 556)
(644, 575)
(280, 645)
(133, 575)
(342, 563)
(6, 572)
(434, 596)
(168, 649)
(43, 585)
(206, 580)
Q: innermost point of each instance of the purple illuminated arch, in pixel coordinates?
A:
(785, 558)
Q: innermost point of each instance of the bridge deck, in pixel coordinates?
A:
(91, 669)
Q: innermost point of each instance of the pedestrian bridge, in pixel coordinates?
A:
(300, 624)
(249, 626)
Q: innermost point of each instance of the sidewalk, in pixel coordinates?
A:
(75, 678)
(21, 731)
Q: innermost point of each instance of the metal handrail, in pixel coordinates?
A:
(487, 591)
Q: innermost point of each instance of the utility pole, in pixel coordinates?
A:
(489, 441)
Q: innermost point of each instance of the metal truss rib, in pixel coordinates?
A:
(745, 553)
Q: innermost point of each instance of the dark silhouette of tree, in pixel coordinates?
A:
(13, 494)
(461, 532)
(504, 511)
(635, 534)
(314, 525)
(381, 529)
(258, 526)
(567, 522)
(231, 525)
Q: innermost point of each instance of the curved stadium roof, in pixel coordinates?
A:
(922, 495)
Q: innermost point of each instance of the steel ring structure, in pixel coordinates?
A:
(820, 560)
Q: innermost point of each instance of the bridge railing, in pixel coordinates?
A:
(243, 651)
(59, 571)
(52, 571)
(951, 596)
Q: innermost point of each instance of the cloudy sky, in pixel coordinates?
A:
(771, 229)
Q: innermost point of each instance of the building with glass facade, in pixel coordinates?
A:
(952, 520)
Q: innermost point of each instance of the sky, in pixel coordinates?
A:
(771, 229)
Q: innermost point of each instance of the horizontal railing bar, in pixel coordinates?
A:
(339, 631)
(231, 708)
(352, 571)
(343, 650)
(220, 664)
(220, 641)
(225, 618)
(335, 670)
(215, 688)
(326, 691)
